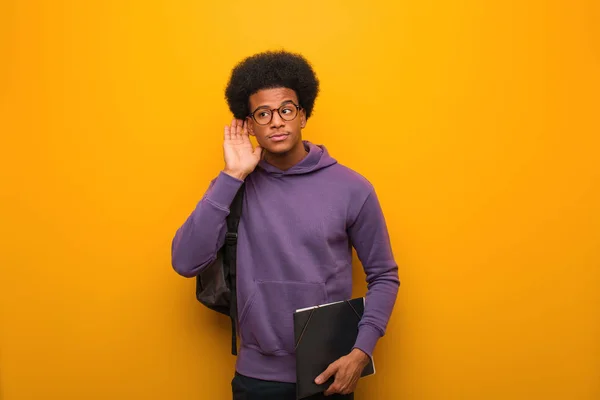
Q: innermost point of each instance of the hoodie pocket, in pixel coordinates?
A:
(268, 321)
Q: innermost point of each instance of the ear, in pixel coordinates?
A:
(250, 126)
(302, 118)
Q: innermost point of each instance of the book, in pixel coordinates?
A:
(323, 334)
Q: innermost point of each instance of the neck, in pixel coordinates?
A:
(287, 160)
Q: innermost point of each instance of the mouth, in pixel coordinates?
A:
(278, 137)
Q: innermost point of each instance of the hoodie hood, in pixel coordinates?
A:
(316, 159)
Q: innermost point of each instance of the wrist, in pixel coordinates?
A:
(236, 174)
(360, 355)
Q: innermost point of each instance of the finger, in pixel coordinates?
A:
(350, 385)
(344, 389)
(233, 128)
(332, 389)
(328, 373)
(238, 128)
(245, 128)
(339, 384)
(227, 133)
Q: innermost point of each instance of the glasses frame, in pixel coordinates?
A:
(298, 108)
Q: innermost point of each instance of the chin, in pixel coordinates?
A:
(279, 150)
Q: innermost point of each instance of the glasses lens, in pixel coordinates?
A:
(288, 112)
(262, 117)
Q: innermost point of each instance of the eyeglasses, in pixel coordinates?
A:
(287, 112)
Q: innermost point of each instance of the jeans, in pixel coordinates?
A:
(246, 388)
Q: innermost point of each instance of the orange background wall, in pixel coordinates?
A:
(477, 121)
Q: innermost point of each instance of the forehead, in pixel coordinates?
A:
(272, 97)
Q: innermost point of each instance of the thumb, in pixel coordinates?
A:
(328, 373)
(257, 151)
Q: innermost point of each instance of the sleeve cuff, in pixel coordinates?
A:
(367, 339)
(224, 190)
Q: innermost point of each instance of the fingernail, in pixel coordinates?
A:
(318, 381)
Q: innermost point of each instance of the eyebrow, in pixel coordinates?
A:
(266, 106)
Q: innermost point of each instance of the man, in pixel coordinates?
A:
(301, 215)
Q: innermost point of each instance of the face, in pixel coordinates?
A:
(279, 136)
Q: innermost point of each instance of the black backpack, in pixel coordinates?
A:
(216, 284)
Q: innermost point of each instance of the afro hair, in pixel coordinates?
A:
(269, 70)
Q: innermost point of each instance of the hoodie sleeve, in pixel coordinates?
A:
(369, 236)
(198, 240)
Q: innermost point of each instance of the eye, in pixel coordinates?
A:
(287, 110)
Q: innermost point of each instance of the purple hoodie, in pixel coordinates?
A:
(294, 250)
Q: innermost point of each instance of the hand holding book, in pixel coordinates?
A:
(347, 370)
(326, 360)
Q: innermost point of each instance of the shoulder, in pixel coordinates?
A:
(350, 178)
(349, 188)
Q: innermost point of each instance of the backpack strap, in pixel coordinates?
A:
(233, 221)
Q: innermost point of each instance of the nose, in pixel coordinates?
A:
(277, 121)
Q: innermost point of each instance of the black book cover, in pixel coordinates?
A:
(324, 334)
